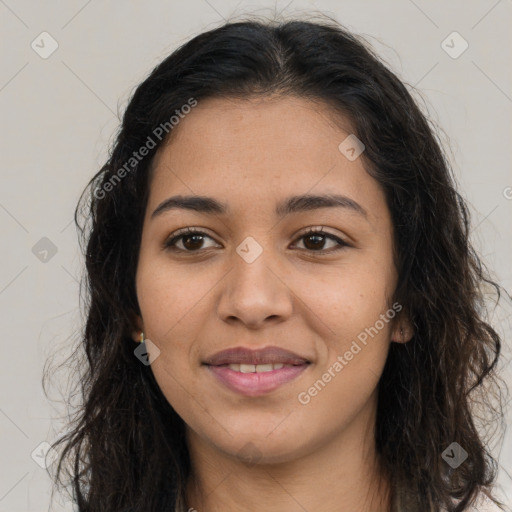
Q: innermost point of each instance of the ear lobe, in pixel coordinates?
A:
(402, 331)
(137, 322)
(136, 335)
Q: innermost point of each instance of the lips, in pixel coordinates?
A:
(264, 356)
(256, 372)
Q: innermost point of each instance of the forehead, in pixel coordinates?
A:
(247, 152)
(265, 129)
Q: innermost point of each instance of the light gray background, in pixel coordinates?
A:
(60, 113)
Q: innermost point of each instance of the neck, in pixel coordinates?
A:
(341, 474)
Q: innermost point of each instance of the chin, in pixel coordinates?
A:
(254, 449)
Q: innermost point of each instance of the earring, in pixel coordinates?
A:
(401, 331)
(142, 336)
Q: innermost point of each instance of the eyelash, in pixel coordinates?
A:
(169, 244)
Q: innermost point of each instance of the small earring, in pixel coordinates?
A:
(401, 331)
(142, 336)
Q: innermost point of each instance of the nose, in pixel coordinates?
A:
(255, 294)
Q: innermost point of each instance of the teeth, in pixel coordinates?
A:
(264, 368)
(256, 368)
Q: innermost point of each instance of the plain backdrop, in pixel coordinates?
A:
(68, 69)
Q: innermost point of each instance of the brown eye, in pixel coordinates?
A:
(314, 240)
(191, 241)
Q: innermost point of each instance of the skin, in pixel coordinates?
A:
(251, 154)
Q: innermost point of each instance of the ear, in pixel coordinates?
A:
(402, 331)
(138, 327)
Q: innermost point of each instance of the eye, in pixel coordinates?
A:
(190, 238)
(316, 239)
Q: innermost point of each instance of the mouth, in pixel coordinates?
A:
(255, 372)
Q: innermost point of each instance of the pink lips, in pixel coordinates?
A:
(258, 383)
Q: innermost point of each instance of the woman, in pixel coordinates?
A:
(279, 226)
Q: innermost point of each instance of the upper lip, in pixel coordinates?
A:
(267, 355)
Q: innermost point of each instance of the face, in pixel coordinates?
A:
(251, 275)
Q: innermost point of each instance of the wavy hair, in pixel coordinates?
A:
(126, 450)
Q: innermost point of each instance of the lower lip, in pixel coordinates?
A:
(256, 384)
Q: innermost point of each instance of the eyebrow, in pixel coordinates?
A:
(294, 204)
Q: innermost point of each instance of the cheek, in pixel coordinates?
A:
(354, 337)
(354, 350)
(347, 299)
(172, 299)
(175, 304)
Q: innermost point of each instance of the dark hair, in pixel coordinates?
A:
(127, 450)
